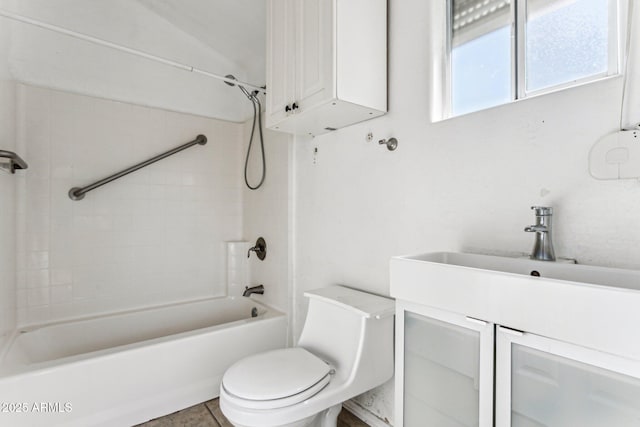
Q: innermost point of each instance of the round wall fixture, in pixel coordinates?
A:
(391, 143)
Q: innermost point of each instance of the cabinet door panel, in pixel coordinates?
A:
(280, 59)
(314, 66)
(447, 362)
(554, 384)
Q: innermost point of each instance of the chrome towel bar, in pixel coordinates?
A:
(77, 193)
(13, 161)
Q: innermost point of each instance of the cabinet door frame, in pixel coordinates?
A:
(308, 94)
(486, 364)
(280, 76)
(505, 337)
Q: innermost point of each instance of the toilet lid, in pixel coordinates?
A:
(276, 374)
(275, 403)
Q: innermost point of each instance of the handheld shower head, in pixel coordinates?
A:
(242, 88)
(257, 113)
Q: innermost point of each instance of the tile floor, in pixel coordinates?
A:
(208, 414)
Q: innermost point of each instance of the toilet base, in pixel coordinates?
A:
(326, 418)
(329, 417)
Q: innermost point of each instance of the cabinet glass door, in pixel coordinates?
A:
(543, 382)
(448, 370)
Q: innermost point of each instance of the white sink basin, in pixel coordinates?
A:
(551, 270)
(595, 307)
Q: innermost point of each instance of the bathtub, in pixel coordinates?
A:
(127, 368)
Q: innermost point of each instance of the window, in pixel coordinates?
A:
(503, 50)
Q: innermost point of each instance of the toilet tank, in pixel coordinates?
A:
(353, 331)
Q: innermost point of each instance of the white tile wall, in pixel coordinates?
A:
(267, 214)
(154, 236)
(7, 214)
(238, 274)
(7, 195)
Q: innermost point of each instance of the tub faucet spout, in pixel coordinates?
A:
(253, 290)
(543, 246)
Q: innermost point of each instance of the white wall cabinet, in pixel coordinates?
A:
(326, 64)
(445, 376)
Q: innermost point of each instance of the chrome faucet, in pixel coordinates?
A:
(253, 290)
(543, 247)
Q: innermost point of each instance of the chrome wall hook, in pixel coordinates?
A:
(391, 143)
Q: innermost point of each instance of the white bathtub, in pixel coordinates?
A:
(130, 367)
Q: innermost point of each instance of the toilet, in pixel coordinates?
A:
(345, 349)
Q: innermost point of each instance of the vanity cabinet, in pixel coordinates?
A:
(326, 64)
(565, 337)
(445, 376)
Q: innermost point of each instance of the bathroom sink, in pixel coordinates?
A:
(591, 306)
(586, 274)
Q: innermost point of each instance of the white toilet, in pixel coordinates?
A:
(345, 349)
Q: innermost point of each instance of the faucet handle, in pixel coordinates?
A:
(260, 249)
(542, 210)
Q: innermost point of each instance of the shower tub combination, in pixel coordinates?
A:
(127, 368)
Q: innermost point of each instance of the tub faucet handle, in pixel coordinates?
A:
(260, 249)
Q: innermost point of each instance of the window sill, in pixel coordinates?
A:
(534, 95)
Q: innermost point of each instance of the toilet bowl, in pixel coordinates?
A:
(345, 349)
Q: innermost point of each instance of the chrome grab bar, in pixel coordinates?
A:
(15, 161)
(77, 193)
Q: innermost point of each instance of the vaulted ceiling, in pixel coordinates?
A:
(218, 36)
(233, 28)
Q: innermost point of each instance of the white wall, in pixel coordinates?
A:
(267, 211)
(45, 58)
(7, 196)
(465, 184)
(152, 237)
